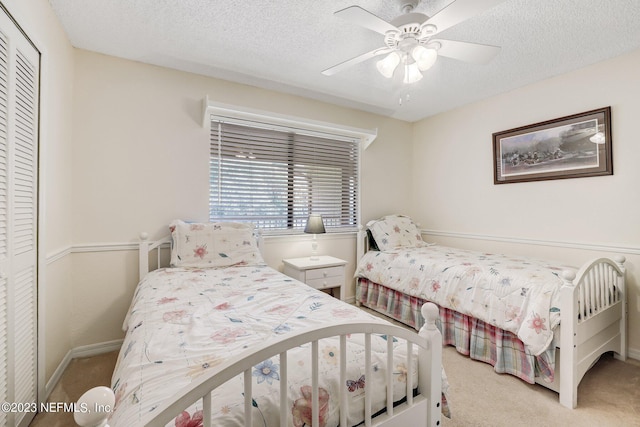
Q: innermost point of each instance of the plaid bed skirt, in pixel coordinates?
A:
(471, 337)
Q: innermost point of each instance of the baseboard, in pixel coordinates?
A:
(96, 349)
(57, 374)
(75, 353)
(633, 353)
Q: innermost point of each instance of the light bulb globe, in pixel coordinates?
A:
(412, 73)
(387, 66)
(424, 57)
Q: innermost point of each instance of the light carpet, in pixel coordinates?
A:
(609, 394)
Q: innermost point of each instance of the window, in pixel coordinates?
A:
(275, 176)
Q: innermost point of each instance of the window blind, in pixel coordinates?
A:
(275, 177)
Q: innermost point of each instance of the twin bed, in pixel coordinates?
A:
(538, 320)
(222, 339)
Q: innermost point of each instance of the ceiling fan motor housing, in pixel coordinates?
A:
(410, 31)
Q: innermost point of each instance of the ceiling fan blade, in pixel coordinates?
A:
(359, 16)
(458, 11)
(358, 59)
(467, 52)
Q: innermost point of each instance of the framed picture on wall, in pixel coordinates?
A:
(568, 147)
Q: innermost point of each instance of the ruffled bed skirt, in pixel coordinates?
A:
(471, 337)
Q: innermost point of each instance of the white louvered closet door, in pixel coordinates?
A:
(19, 82)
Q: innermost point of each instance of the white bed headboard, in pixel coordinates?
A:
(145, 246)
(362, 243)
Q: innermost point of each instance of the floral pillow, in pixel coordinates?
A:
(215, 244)
(395, 231)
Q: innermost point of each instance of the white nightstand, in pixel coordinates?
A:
(326, 272)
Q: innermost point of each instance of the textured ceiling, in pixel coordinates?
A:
(285, 45)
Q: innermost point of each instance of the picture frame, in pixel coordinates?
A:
(574, 146)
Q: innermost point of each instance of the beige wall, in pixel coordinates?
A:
(453, 176)
(139, 142)
(56, 90)
(140, 159)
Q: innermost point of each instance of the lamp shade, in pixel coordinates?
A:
(425, 58)
(388, 65)
(314, 224)
(412, 73)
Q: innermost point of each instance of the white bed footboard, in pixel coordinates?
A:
(422, 410)
(593, 321)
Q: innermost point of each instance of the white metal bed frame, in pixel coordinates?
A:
(593, 316)
(422, 410)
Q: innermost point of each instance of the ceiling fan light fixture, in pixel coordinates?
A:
(406, 32)
(424, 57)
(388, 65)
(412, 73)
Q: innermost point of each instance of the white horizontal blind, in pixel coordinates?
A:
(275, 177)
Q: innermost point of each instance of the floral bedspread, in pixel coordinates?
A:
(517, 294)
(183, 322)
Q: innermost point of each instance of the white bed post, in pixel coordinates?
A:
(622, 355)
(259, 239)
(94, 407)
(143, 255)
(430, 364)
(361, 237)
(568, 350)
(360, 243)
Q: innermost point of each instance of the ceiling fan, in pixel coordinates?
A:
(409, 38)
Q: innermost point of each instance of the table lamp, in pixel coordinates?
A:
(314, 226)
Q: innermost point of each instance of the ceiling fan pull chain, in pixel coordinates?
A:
(407, 98)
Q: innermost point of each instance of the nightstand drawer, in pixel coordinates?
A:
(325, 273)
(324, 283)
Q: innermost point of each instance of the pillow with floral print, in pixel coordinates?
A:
(214, 244)
(395, 231)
